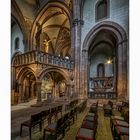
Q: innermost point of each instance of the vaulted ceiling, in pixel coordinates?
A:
(56, 28)
(55, 25)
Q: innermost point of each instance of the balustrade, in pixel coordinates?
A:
(44, 58)
(105, 95)
(102, 88)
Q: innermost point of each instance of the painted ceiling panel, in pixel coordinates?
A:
(58, 19)
(52, 33)
(28, 8)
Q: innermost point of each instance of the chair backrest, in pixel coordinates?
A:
(53, 109)
(75, 110)
(110, 103)
(45, 113)
(66, 117)
(35, 117)
(59, 108)
(72, 112)
(59, 122)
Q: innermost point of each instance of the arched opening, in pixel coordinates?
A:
(29, 91)
(16, 43)
(102, 52)
(54, 86)
(51, 31)
(100, 70)
(102, 10)
(106, 43)
(26, 85)
(17, 38)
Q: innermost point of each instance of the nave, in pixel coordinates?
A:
(83, 108)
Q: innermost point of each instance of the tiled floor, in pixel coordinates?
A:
(103, 129)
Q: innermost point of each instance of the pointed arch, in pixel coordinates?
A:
(40, 17)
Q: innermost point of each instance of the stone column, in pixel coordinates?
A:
(68, 91)
(122, 70)
(38, 91)
(84, 74)
(77, 44)
(114, 73)
(13, 81)
(20, 92)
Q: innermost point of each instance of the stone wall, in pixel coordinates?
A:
(16, 32)
(95, 60)
(119, 13)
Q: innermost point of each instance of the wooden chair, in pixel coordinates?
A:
(108, 108)
(89, 125)
(55, 129)
(85, 134)
(112, 118)
(44, 115)
(119, 131)
(34, 120)
(118, 123)
(124, 137)
(52, 114)
(59, 110)
(66, 121)
(72, 116)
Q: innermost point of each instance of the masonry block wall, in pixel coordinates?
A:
(100, 58)
(119, 13)
(16, 32)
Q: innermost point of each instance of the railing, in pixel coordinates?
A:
(105, 95)
(102, 88)
(44, 58)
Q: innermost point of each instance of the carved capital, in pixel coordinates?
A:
(77, 22)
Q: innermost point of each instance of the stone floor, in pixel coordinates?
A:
(18, 116)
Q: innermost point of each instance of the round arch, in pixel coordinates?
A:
(122, 47)
(45, 71)
(41, 14)
(116, 29)
(23, 72)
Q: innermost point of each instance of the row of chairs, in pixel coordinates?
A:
(59, 127)
(119, 128)
(50, 114)
(108, 108)
(39, 118)
(88, 129)
(71, 105)
(82, 106)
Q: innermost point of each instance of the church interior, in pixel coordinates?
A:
(70, 69)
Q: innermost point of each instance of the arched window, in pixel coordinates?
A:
(16, 43)
(100, 70)
(102, 8)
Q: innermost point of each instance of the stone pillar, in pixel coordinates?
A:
(68, 91)
(13, 77)
(114, 73)
(20, 92)
(38, 91)
(13, 81)
(122, 70)
(77, 44)
(84, 74)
